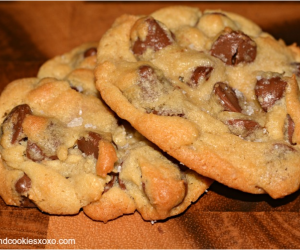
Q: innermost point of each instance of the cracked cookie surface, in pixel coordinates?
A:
(212, 90)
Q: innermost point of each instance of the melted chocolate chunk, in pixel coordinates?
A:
(268, 91)
(90, 52)
(90, 145)
(27, 203)
(121, 184)
(227, 97)
(110, 184)
(234, 47)
(247, 124)
(34, 152)
(201, 72)
(17, 116)
(242, 127)
(146, 72)
(23, 184)
(115, 177)
(156, 38)
(290, 129)
(148, 83)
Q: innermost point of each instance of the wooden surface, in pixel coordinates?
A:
(32, 32)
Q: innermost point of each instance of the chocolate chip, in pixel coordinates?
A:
(115, 177)
(90, 144)
(27, 203)
(34, 152)
(110, 184)
(146, 72)
(17, 116)
(242, 127)
(269, 90)
(247, 124)
(156, 38)
(148, 82)
(290, 129)
(227, 96)
(201, 72)
(234, 47)
(121, 184)
(296, 66)
(90, 52)
(23, 184)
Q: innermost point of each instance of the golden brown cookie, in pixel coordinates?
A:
(42, 131)
(212, 90)
(81, 57)
(63, 149)
(76, 65)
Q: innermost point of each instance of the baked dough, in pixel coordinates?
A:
(212, 90)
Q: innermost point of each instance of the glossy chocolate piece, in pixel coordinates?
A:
(115, 177)
(269, 90)
(27, 203)
(90, 52)
(290, 129)
(23, 184)
(248, 125)
(227, 97)
(234, 47)
(34, 152)
(201, 72)
(148, 83)
(243, 127)
(90, 144)
(156, 38)
(17, 116)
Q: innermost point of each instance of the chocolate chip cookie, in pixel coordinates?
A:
(50, 155)
(81, 57)
(145, 180)
(212, 90)
(76, 65)
(62, 149)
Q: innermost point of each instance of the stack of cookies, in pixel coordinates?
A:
(145, 119)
